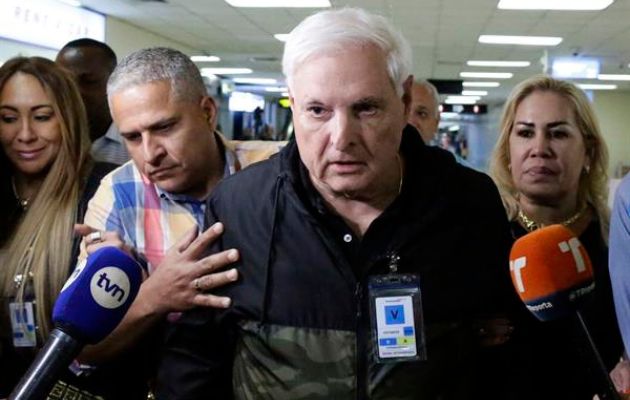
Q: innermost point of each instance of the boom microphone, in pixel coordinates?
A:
(551, 271)
(91, 304)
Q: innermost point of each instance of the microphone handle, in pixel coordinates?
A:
(56, 355)
(606, 388)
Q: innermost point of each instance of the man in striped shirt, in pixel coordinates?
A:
(153, 206)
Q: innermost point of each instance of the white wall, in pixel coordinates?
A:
(125, 38)
(122, 37)
(613, 111)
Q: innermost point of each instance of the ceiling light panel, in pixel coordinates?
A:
(596, 86)
(474, 93)
(255, 81)
(480, 84)
(521, 40)
(225, 71)
(279, 3)
(479, 63)
(491, 75)
(613, 77)
(577, 5)
(205, 58)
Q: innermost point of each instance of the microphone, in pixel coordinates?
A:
(91, 304)
(551, 271)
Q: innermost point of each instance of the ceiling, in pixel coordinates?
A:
(443, 33)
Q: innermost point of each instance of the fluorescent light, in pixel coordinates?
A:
(575, 68)
(474, 63)
(447, 115)
(279, 3)
(521, 40)
(474, 93)
(461, 99)
(612, 77)
(453, 128)
(205, 58)
(493, 75)
(480, 84)
(225, 71)
(73, 3)
(275, 89)
(554, 4)
(285, 94)
(281, 36)
(596, 86)
(256, 81)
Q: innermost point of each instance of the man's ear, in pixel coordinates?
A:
(406, 97)
(291, 100)
(209, 108)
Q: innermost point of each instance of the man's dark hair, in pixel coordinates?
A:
(110, 56)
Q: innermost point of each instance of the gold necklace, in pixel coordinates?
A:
(532, 225)
(23, 202)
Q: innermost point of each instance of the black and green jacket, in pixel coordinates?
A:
(298, 327)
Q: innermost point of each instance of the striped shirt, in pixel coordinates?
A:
(149, 219)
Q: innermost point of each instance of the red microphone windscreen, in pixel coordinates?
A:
(550, 270)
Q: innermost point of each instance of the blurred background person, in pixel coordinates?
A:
(91, 63)
(46, 177)
(550, 165)
(424, 112)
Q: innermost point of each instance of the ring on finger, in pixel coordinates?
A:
(95, 237)
(196, 284)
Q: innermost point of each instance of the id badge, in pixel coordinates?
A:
(23, 324)
(396, 317)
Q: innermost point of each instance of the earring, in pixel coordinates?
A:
(587, 169)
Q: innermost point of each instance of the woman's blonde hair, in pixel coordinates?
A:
(593, 185)
(41, 244)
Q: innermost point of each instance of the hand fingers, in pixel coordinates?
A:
(200, 244)
(183, 243)
(211, 281)
(83, 229)
(216, 261)
(98, 239)
(210, 300)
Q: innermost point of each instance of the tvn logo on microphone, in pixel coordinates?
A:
(110, 287)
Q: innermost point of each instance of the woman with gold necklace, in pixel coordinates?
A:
(550, 164)
(46, 178)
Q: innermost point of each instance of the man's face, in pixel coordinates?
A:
(91, 69)
(170, 140)
(423, 115)
(348, 120)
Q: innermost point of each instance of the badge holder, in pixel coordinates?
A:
(396, 317)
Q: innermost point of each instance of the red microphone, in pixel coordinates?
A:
(551, 271)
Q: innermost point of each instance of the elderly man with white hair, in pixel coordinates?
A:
(365, 255)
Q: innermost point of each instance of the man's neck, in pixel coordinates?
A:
(215, 168)
(360, 210)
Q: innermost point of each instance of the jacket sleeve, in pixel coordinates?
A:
(196, 358)
(619, 258)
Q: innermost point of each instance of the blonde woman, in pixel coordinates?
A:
(46, 176)
(550, 166)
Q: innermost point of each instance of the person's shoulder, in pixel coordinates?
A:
(257, 174)
(252, 151)
(624, 188)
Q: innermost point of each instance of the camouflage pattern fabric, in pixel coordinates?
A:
(280, 362)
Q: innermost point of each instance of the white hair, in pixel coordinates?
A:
(433, 92)
(335, 29)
